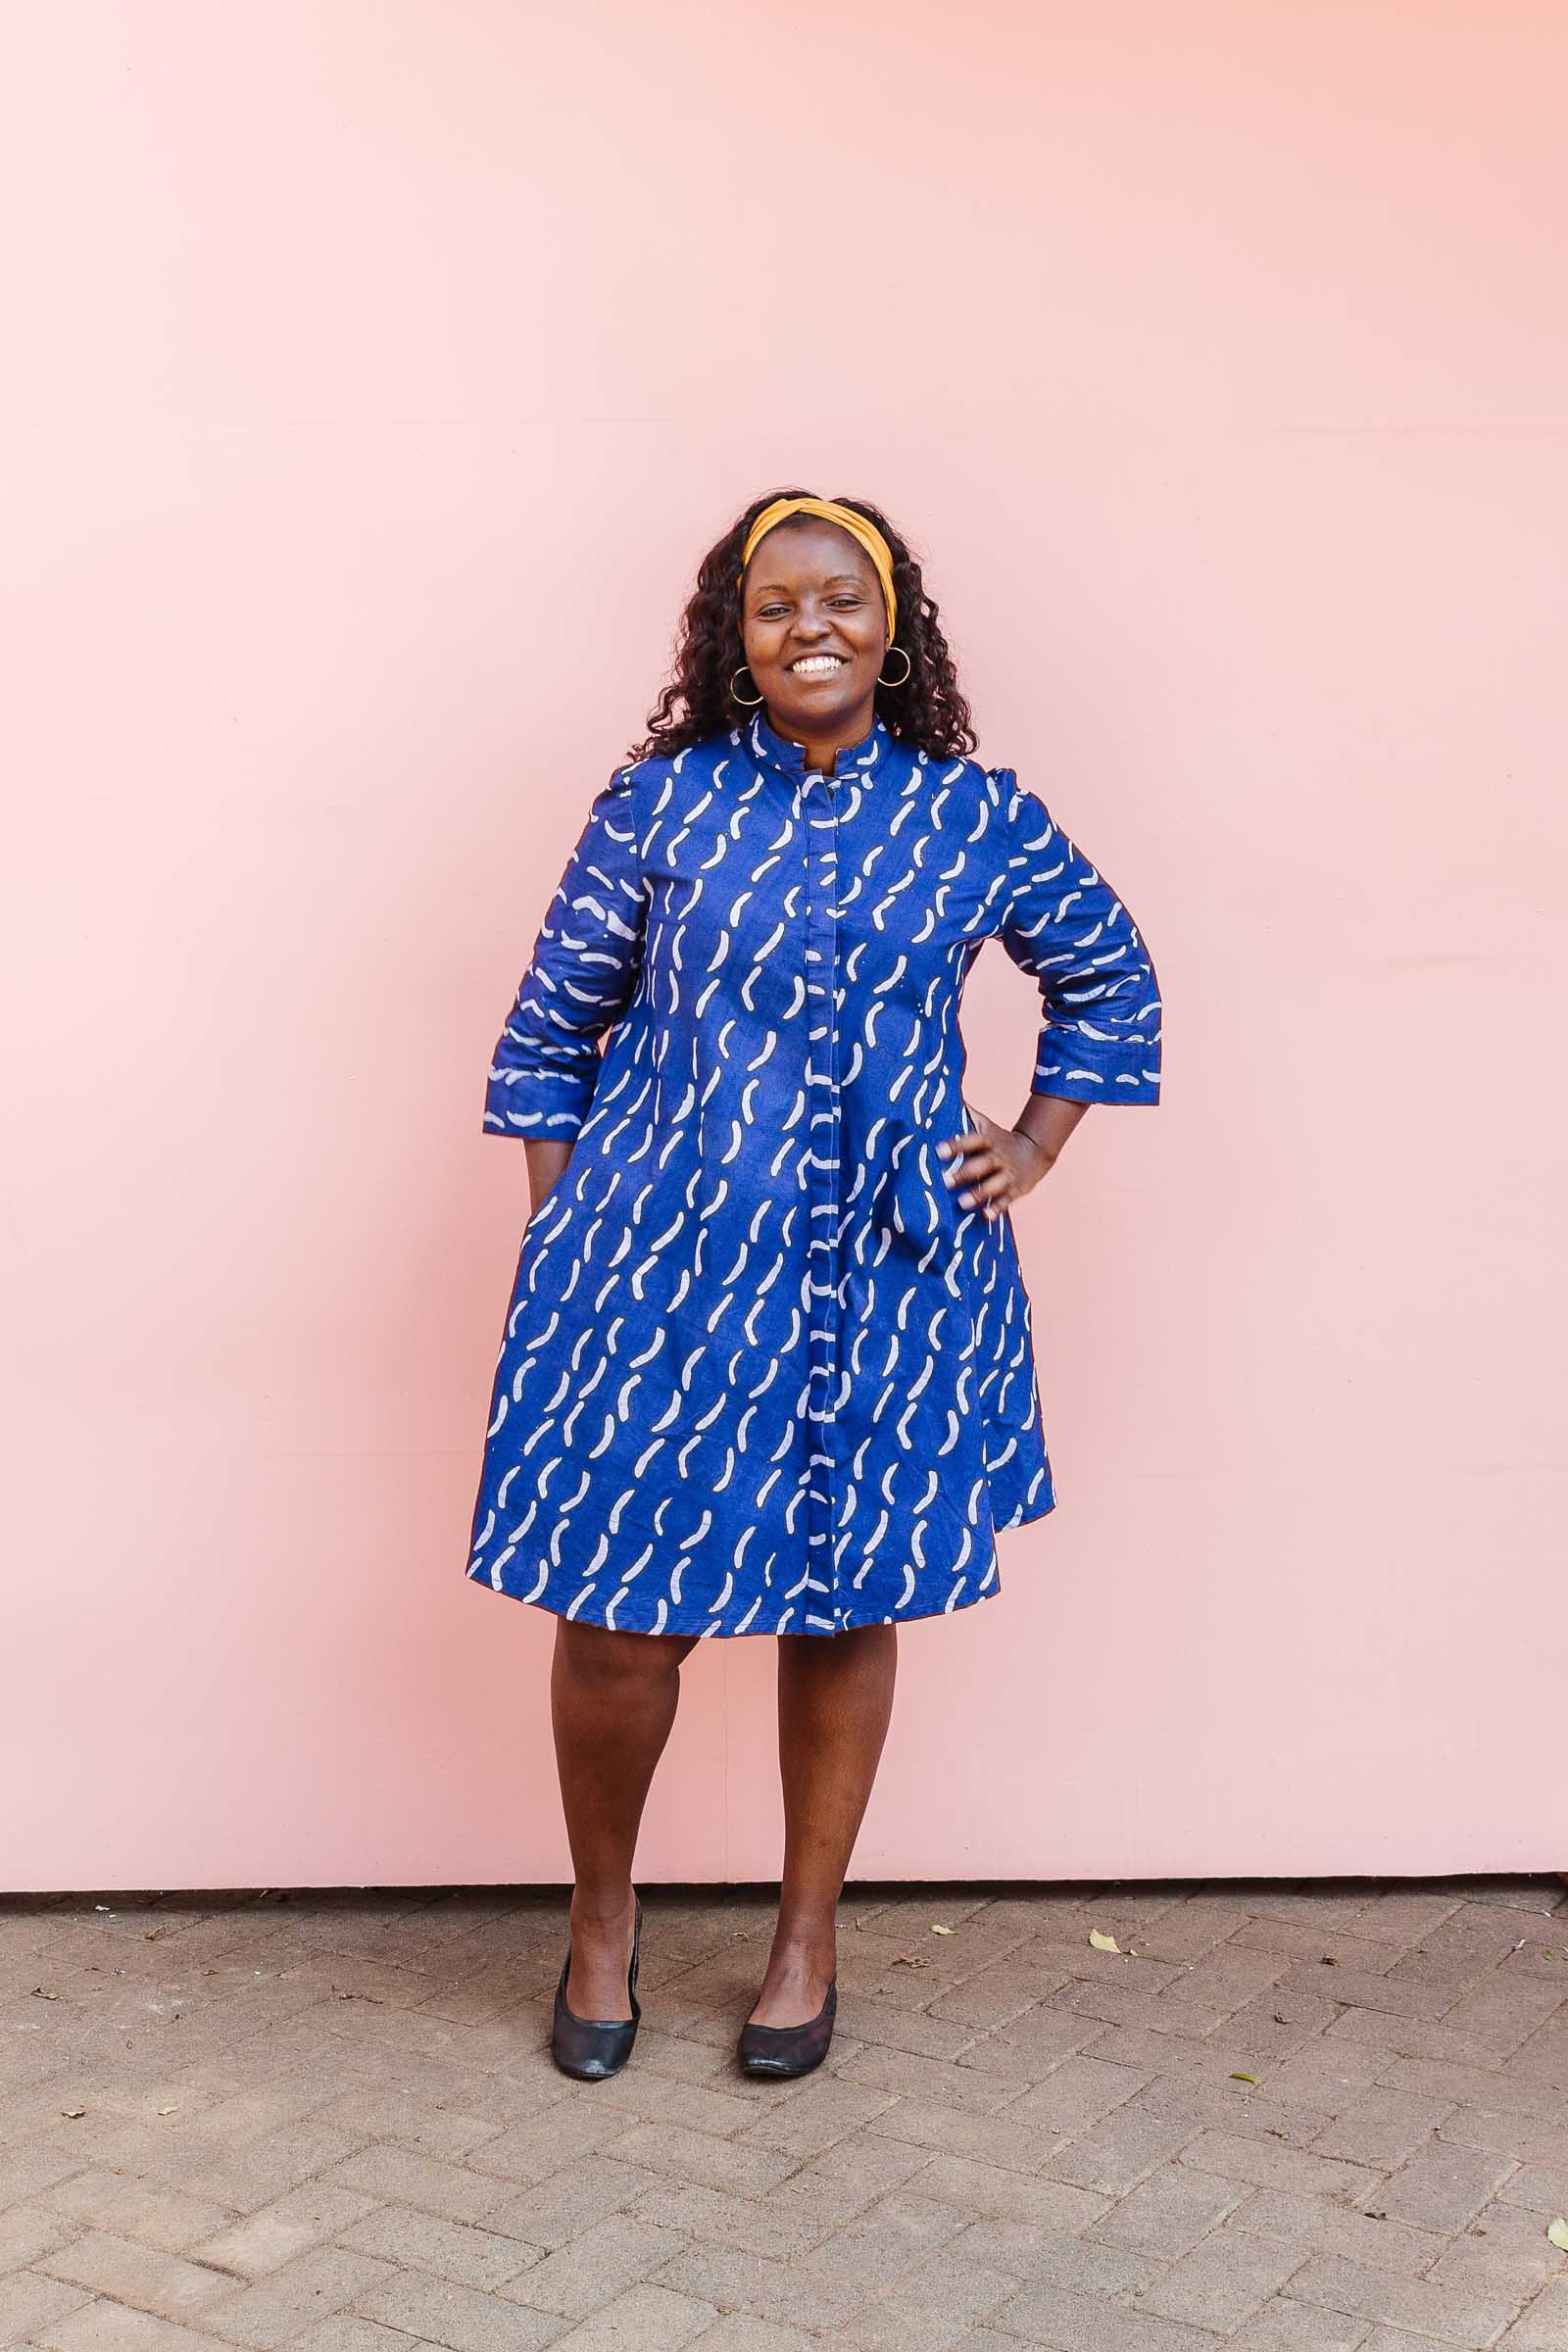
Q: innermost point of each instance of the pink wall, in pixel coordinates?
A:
(380, 370)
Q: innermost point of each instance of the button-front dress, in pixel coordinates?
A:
(761, 1372)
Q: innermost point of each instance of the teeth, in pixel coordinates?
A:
(815, 665)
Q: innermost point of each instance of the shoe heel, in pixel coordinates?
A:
(592, 2048)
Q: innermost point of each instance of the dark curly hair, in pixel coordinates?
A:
(927, 711)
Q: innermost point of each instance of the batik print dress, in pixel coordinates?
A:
(761, 1373)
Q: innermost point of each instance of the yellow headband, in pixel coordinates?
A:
(869, 538)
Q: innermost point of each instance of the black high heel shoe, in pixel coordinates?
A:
(789, 2049)
(594, 2047)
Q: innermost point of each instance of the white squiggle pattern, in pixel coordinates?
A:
(761, 1372)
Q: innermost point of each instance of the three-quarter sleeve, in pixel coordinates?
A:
(580, 979)
(1099, 1030)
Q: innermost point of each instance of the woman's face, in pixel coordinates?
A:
(814, 628)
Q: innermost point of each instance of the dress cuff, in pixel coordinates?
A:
(1126, 1084)
(522, 1103)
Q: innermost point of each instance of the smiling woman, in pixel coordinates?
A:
(767, 1365)
(798, 579)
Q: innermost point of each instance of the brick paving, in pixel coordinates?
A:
(1280, 2117)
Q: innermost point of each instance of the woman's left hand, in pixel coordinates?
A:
(994, 1166)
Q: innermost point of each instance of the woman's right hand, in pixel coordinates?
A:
(549, 1157)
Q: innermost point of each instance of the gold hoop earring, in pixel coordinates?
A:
(747, 701)
(908, 670)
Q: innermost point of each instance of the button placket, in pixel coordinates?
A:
(819, 804)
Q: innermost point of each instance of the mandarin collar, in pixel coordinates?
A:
(771, 748)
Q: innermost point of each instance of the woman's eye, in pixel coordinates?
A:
(775, 612)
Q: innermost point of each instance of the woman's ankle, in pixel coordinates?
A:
(596, 1913)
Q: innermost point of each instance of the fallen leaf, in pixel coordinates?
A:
(1329, 1961)
(73, 2110)
(40, 1994)
(1102, 1943)
(1243, 2078)
(1557, 2231)
(907, 1960)
(169, 2110)
(936, 1930)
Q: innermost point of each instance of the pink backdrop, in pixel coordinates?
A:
(380, 370)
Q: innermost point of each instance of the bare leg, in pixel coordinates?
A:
(613, 1699)
(835, 1701)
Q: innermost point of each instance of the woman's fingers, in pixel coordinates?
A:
(959, 1151)
(976, 1163)
(966, 1160)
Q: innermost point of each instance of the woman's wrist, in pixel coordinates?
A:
(1046, 1121)
(1046, 1153)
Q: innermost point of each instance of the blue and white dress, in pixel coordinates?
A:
(761, 1373)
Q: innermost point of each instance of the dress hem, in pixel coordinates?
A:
(1002, 1526)
(707, 1631)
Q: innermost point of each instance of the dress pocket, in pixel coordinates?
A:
(919, 1208)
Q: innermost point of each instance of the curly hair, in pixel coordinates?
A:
(927, 711)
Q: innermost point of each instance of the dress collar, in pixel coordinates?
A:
(771, 750)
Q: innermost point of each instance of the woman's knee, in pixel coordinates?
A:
(598, 1653)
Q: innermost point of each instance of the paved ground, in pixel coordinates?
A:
(332, 2121)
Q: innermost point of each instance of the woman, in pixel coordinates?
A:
(767, 1366)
